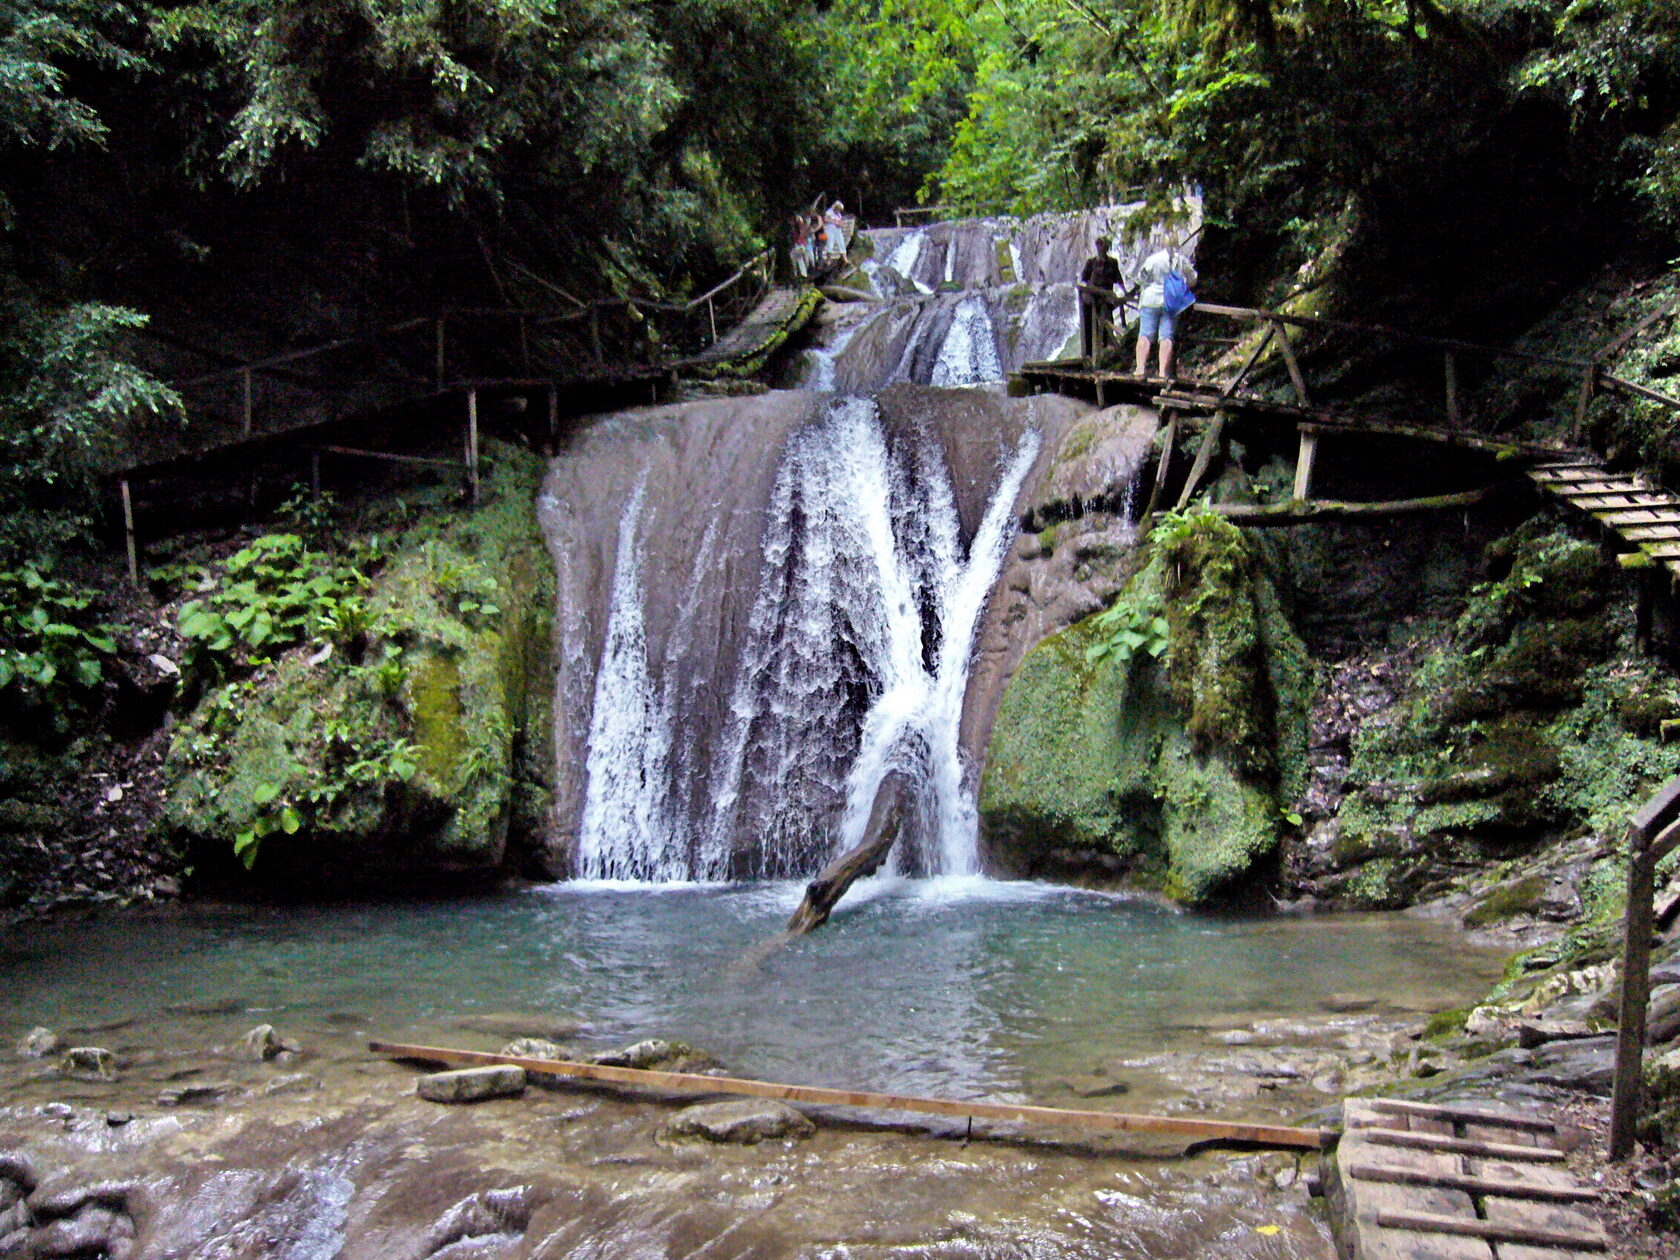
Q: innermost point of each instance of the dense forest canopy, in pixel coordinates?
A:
(272, 170)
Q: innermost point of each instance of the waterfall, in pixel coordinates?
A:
(851, 663)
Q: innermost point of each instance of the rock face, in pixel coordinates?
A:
(1155, 742)
(436, 691)
(89, 1063)
(740, 1122)
(472, 1084)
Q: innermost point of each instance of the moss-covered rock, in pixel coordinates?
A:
(410, 738)
(1162, 769)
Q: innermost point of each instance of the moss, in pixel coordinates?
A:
(1172, 766)
(1507, 901)
(1444, 1024)
(454, 666)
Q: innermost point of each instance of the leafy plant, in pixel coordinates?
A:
(1131, 628)
(51, 645)
(276, 593)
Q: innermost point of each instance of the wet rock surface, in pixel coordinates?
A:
(740, 1122)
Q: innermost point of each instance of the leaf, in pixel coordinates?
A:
(290, 820)
(88, 672)
(1268, 1230)
(265, 793)
(245, 847)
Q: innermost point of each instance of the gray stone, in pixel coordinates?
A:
(739, 1121)
(263, 1043)
(537, 1048)
(16, 1216)
(1588, 1065)
(89, 1063)
(15, 1245)
(88, 1232)
(657, 1054)
(38, 1043)
(1537, 1032)
(1663, 1022)
(65, 1196)
(471, 1084)
(292, 1083)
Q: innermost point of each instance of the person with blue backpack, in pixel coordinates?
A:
(1166, 277)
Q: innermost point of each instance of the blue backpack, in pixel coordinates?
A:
(1175, 294)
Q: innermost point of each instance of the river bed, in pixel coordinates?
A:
(958, 988)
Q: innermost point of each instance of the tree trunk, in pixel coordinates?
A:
(825, 891)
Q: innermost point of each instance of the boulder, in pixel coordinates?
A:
(1663, 1022)
(537, 1048)
(472, 1084)
(739, 1121)
(38, 1043)
(263, 1043)
(204, 1092)
(657, 1055)
(1587, 1065)
(89, 1063)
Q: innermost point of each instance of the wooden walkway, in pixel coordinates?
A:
(743, 350)
(1411, 1181)
(1642, 514)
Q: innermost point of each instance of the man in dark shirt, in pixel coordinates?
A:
(1101, 276)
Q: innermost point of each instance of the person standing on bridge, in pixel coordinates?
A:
(801, 251)
(1157, 316)
(836, 227)
(1097, 283)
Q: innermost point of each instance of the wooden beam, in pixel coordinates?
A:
(1468, 1115)
(1638, 927)
(1231, 386)
(247, 390)
(1299, 512)
(685, 1082)
(388, 456)
(1622, 386)
(439, 350)
(1211, 438)
(1463, 1146)
(1160, 474)
(1497, 1187)
(1304, 463)
(1494, 1231)
(1294, 366)
(1583, 399)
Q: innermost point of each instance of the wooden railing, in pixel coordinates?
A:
(431, 352)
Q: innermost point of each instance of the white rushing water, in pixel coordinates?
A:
(853, 666)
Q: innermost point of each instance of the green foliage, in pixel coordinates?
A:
(1131, 627)
(275, 593)
(52, 647)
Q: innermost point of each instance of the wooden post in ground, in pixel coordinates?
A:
(472, 445)
(553, 418)
(1453, 417)
(1304, 462)
(595, 334)
(248, 389)
(524, 348)
(1652, 835)
(439, 348)
(1589, 387)
(711, 317)
(1161, 469)
(128, 533)
(315, 474)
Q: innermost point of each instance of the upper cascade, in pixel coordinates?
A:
(967, 302)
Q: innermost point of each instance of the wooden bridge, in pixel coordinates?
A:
(393, 396)
(1640, 518)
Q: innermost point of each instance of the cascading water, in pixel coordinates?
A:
(852, 666)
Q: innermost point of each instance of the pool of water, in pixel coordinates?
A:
(957, 987)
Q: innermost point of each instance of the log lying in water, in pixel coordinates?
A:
(686, 1082)
(825, 891)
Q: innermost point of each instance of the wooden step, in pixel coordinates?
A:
(1650, 533)
(1613, 499)
(1662, 551)
(1640, 516)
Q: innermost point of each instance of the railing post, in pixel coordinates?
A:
(128, 533)
(1589, 387)
(1304, 462)
(1295, 377)
(247, 387)
(440, 358)
(553, 419)
(1453, 417)
(472, 445)
(595, 334)
(711, 316)
(524, 347)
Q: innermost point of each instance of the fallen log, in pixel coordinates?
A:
(886, 817)
(1312, 511)
(689, 1082)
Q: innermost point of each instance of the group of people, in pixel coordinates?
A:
(819, 237)
(1163, 294)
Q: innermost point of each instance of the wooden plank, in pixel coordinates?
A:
(389, 456)
(1609, 499)
(1640, 516)
(128, 533)
(1471, 1184)
(1622, 386)
(1294, 366)
(1601, 485)
(1462, 1146)
(1211, 439)
(1503, 1119)
(1649, 533)
(472, 444)
(1494, 1231)
(1201, 1130)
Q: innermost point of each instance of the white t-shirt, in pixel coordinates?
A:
(1154, 273)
